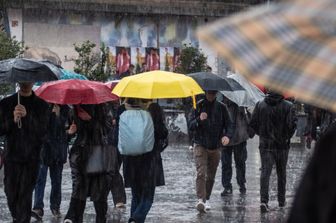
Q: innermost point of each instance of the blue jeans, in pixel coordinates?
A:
(56, 183)
(142, 200)
(240, 155)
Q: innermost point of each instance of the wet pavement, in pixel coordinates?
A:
(176, 201)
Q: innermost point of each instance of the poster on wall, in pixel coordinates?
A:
(123, 60)
(176, 58)
(138, 59)
(166, 58)
(152, 58)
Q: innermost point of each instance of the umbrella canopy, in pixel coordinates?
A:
(157, 84)
(68, 74)
(210, 81)
(26, 70)
(75, 91)
(42, 53)
(288, 46)
(247, 98)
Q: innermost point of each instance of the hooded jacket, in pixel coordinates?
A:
(274, 120)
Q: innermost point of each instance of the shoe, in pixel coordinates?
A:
(37, 214)
(200, 206)
(207, 205)
(264, 208)
(242, 190)
(120, 205)
(56, 213)
(226, 192)
(191, 148)
(282, 204)
(67, 221)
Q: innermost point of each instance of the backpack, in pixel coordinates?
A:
(136, 132)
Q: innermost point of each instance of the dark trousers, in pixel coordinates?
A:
(118, 188)
(55, 172)
(19, 181)
(77, 207)
(240, 155)
(142, 200)
(268, 158)
(117, 184)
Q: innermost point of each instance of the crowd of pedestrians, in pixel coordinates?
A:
(38, 137)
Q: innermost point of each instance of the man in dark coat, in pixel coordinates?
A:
(54, 155)
(22, 147)
(315, 198)
(237, 147)
(274, 120)
(213, 128)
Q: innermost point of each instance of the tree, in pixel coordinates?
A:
(90, 63)
(9, 48)
(191, 60)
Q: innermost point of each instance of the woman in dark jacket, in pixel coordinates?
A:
(92, 162)
(144, 172)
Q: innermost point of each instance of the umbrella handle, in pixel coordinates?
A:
(193, 100)
(19, 122)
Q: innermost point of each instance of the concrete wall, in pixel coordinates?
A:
(15, 23)
(60, 38)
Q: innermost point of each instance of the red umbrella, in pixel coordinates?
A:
(75, 91)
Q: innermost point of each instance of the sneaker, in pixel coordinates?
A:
(56, 213)
(37, 214)
(200, 206)
(264, 208)
(242, 190)
(191, 148)
(226, 192)
(207, 205)
(282, 204)
(120, 205)
(67, 221)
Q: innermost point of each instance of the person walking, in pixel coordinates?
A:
(274, 120)
(213, 128)
(54, 155)
(22, 147)
(144, 172)
(117, 182)
(237, 147)
(92, 162)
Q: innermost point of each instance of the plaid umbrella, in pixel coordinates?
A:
(289, 46)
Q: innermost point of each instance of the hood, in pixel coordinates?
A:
(273, 98)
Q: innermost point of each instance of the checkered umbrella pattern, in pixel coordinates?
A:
(288, 46)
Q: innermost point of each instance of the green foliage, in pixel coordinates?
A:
(191, 60)
(90, 63)
(9, 48)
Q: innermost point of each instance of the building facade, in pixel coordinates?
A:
(131, 28)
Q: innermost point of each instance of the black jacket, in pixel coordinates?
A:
(147, 169)
(24, 144)
(208, 133)
(55, 149)
(274, 120)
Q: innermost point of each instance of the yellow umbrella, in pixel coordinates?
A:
(157, 84)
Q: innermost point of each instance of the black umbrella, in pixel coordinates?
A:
(27, 70)
(210, 81)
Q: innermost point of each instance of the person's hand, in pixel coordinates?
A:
(203, 116)
(19, 112)
(114, 122)
(56, 109)
(72, 129)
(225, 140)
